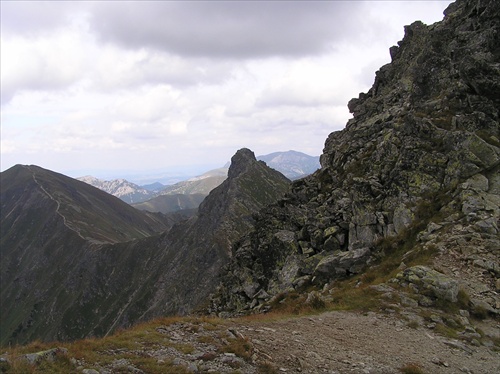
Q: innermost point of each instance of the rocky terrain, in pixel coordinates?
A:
(413, 179)
(332, 342)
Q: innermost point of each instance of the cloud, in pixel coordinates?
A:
(34, 18)
(227, 29)
(155, 84)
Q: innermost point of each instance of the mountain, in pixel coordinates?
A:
(198, 249)
(408, 194)
(125, 190)
(53, 233)
(154, 187)
(291, 164)
(403, 213)
(201, 184)
(33, 198)
(171, 203)
(79, 262)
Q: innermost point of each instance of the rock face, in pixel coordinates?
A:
(78, 262)
(418, 164)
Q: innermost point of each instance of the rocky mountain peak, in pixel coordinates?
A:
(416, 170)
(240, 162)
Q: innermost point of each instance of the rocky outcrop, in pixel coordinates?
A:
(418, 164)
(423, 279)
(194, 252)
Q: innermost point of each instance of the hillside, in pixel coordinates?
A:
(338, 342)
(171, 203)
(86, 211)
(53, 229)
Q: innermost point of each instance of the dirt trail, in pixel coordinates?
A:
(347, 342)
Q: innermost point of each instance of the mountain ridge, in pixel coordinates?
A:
(79, 262)
(292, 164)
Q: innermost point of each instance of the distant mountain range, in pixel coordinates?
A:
(291, 164)
(121, 188)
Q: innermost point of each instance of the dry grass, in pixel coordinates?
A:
(411, 368)
(266, 368)
(361, 299)
(94, 352)
(241, 347)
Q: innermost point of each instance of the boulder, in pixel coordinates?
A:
(341, 264)
(427, 280)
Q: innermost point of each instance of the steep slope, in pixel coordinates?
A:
(70, 269)
(291, 164)
(52, 228)
(415, 173)
(199, 248)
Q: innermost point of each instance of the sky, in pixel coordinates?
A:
(111, 88)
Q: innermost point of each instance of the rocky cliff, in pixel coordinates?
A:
(195, 251)
(415, 172)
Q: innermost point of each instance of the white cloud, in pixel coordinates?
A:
(226, 29)
(156, 84)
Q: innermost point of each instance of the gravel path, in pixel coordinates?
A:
(347, 342)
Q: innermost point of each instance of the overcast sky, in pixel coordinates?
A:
(108, 88)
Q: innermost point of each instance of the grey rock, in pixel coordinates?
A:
(425, 278)
(48, 355)
(340, 264)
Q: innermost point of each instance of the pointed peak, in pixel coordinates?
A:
(240, 161)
